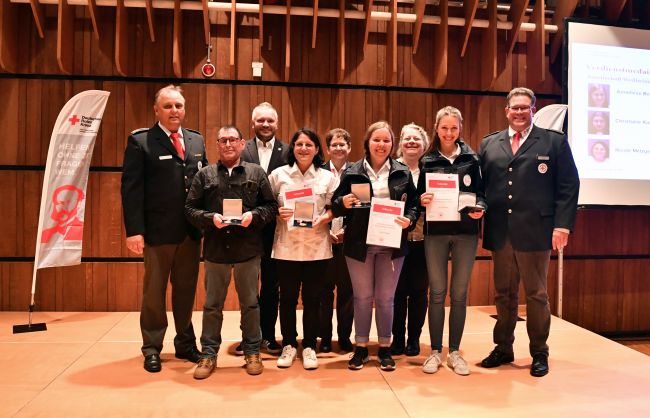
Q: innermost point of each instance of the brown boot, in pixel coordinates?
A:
(254, 364)
(205, 367)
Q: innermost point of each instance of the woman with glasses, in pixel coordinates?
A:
(374, 270)
(301, 245)
(448, 154)
(411, 295)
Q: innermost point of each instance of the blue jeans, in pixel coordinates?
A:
(217, 279)
(374, 280)
(463, 253)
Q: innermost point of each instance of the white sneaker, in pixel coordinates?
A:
(287, 357)
(457, 363)
(309, 360)
(432, 363)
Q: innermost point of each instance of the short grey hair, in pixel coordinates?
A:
(262, 106)
(421, 131)
(521, 91)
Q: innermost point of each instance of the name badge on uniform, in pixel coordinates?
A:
(198, 155)
(543, 157)
(165, 157)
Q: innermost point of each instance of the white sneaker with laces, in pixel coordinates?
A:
(457, 363)
(432, 363)
(309, 360)
(287, 357)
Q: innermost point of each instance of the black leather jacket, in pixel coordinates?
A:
(400, 185)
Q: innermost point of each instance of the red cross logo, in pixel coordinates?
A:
(74, 119)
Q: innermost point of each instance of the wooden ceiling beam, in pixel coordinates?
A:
(441, 46)
(535, 43)
(92, 10)
(314, 25)
(121, 39)
(563, 9)
(516, 16)
(177, 40)
(469, 8)
(489, 62)
(233, 37)
(391, 46)
(341, 39)
(65, 37)
(206, 21)
(367, 7)
(419, 7)
(149, 8)
(37, 11)
(287, 42)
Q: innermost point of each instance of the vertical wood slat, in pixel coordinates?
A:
(419, 7)
(612, 9)
(233, 36)
(516, 16)
(8, 36)
(92, 10)
(65, 37)
(367, 7)
(489, 70)
(150, 23)
(37, 11)
(206, 21)
(391, 46)
(261, 23)
(562, 10)
(469, 9)
(177, 40)
(535, 42)
(314, 25)
(441, 46)
(287, 42)
(341, 39)
(121, 39)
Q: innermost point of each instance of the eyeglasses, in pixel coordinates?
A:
(518, 109)
(225, 141)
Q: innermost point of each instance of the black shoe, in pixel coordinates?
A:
(346, 345)
(497, 358)
(194, 355)
(152, 363)
(412, 348)
(386, 362)
(539, 367)
(271, 346)
(359, 358)
(397, 347)
(325, 346)
(239, 350)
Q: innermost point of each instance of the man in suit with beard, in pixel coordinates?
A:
(531, 188)
(159, 165)
(270, 153)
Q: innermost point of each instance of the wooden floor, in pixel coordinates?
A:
(89, 364)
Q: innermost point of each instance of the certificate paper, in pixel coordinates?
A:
(382, 228)
(302, 194)
(444, 206)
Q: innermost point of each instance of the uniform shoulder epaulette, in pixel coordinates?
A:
(139, 131)
(555, 131)
(193, 131)
(490, 134)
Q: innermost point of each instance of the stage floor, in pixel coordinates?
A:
(89, 364)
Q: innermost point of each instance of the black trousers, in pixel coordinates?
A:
(178, 264)
(305, 279)
(337, 277)
(411, 299)
(269, 297)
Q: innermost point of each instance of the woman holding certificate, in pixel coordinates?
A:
(301, 245)
(375, 240)
(451, 189)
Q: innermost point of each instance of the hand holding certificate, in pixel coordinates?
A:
(444, 205)
(386, 223)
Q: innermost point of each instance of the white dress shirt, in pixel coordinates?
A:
(169, 133)
(379, 180)
(264, 151)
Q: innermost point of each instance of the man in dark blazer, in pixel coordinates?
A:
(159, 165)
(531, 187)
(270, 153)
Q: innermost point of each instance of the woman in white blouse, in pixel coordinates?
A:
(302, 250)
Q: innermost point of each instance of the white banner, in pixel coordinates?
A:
(63, 201)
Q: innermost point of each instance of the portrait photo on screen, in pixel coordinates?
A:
(599, 149)
(598, 95)
(598, 123)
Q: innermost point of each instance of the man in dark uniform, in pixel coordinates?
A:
(270, 153)
(531, 187)
(159, 165)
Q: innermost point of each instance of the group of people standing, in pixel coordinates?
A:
(525, 186)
